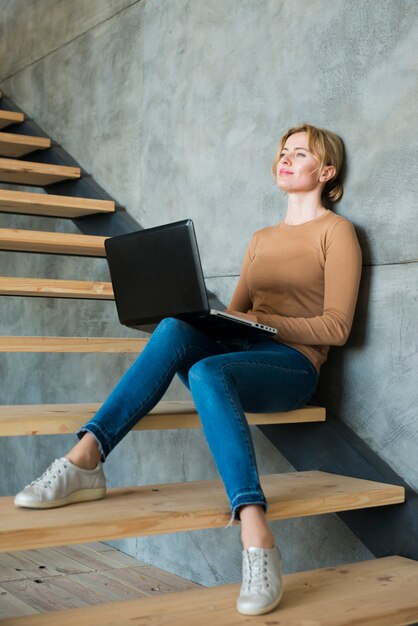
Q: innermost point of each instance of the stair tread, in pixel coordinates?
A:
(51, 242)
(59, 419)
(71, 344)
(48, 204)
(381, 592)
(176, 507)
(10, 117)
(55, 288)
(33, 173)
(13, 145)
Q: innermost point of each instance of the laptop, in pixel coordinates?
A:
(156, 273)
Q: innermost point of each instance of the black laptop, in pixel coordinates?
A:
(156, 273)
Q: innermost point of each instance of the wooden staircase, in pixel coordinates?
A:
(52, 243)
(50, 205)
(379, 592)
(181, 507)
(55, 288)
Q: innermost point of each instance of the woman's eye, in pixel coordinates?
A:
(301, 154)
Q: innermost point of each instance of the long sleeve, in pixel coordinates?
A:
(303, 280)
(241, 299)
(341, 276)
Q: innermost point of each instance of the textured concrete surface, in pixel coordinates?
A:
(175, 107)
(186, 94)
(33, 30)
(372, 383)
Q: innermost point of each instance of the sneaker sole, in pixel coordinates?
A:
(265, 609)
(83, 495)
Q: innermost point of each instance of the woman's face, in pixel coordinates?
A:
(297, 169)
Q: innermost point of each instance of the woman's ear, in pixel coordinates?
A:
(327, 173)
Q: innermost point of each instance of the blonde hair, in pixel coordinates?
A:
(327, 148)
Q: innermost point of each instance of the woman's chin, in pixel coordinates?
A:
(283, 185)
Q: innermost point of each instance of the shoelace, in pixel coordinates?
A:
(50, 472)
(256, 570)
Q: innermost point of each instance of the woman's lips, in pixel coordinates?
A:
(284, 172)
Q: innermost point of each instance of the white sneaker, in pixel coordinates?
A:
(261, 588)
(63, 483)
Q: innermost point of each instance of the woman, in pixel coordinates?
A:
(301, 277)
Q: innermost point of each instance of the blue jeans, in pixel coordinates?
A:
(225, 379)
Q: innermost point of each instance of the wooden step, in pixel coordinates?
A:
(32, 173)
(51, 242)
(381, 592)
(59, 419)
(51, 205)
(53, 288)
(177, 507)
(12, 145)
(10, 117)
(72, 344)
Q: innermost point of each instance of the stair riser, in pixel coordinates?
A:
(72, 344)
(15, 146)
(182, 507)
(47, 420)
(30, 179)
(52, 205)
(7, 118)
(49, 288)
(371, 593)
(49, 242)
(47, 248)
(33, 173)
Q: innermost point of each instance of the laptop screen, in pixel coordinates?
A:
(156, 273)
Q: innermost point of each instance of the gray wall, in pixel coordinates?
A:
(175, 108)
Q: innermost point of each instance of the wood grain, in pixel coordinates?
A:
(43, 595)
(54, 288)
(59, 419)
(32, 173)
(10, 117)
(382, 592)
(27, 567)
(81, 575)
(51, 205)
(12, 145)
(148, 580)
(101, 559)
(72, 344)
(11, 605)
(51, 242)
(177, 507)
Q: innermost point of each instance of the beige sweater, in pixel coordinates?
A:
(303, 280)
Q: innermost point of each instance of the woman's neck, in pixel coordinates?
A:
(303, 208)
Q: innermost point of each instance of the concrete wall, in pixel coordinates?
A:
(175, 107)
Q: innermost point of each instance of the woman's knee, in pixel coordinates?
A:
(172, 327)
(204, 371)
(169, 324)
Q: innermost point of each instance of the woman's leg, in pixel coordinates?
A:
(174, 345)
(265, 378)
(79, 476)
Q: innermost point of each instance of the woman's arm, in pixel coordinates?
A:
(341, 282)
(241, 300)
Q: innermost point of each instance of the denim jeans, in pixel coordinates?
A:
(225, 379)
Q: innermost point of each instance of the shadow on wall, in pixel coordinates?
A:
(333, 380)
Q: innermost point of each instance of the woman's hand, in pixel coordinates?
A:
(248, 316)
